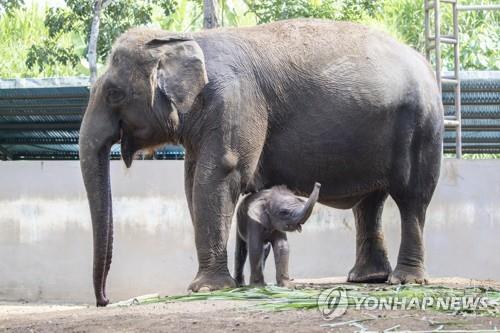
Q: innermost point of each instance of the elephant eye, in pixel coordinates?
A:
(115, 96)
(284, 212)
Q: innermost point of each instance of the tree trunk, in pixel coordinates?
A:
(94, 35)
(210, 10)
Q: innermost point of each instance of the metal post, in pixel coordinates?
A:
(456, 32)
(434, 42)
(437, 40)
(458, 101)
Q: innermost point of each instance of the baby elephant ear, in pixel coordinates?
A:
(257, 212)
(181, 73)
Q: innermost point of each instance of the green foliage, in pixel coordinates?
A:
(405, 20)
(8, 6)
(344, 10)
(274, 298)
(479, 32)
(51, 54)
(116, 17)
(45, 42)
(480, 40)
(18, 31)
(187, 16)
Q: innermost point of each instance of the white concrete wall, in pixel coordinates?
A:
(45, 234)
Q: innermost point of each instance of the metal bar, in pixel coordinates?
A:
(449, 1)
(474, 149)
(458, 105)
(41, 94)
(476, 111)
(478, 7)
(474, 145)
(451, 123)
(477, 141)
(449, 80)
(39, 126)
(5, 153)
(437, 47)
(448, 40)
(38, 141)
(42, 112)
(480, 128)
(429, 5)
(432, 43)
(451, 39)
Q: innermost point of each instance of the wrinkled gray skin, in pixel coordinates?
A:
(263, 218)
(292, 102)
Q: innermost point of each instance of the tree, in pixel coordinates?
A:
(94, 36)
(341, 10)
(8, 6)
(210, 10)
(99, 22)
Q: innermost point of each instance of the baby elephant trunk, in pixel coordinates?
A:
(309, 205)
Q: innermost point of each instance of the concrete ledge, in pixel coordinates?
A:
(46, 244)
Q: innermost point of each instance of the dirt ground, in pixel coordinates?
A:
(236, 316)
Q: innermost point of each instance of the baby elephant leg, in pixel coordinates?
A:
(281, 253)
(256, 256)
(267, 249)
(240, 256)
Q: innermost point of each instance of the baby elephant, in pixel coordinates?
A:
(263, 218)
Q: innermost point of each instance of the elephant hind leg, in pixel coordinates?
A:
(410, 267)
(412, 208)
(412, 198)
(372, 264)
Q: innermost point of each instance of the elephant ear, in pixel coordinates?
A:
(257, 211)
(181, 73)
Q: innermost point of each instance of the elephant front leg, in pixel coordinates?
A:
(214, 197)
(281, 252)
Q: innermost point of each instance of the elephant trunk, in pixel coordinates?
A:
(306, 211)
(98, 132)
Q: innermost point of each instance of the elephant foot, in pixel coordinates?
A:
(286, 283)
(257, 282)
(370, 273)
(102, 301)
(406, 274)
(240, 281)
(212, 281)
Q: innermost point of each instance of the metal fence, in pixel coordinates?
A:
(453, 120)
(42, 123)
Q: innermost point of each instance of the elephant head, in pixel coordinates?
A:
(153, 78)
(280, 209)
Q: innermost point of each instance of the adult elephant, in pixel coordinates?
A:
(293, 102)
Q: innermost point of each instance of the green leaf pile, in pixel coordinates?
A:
(279, 299)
